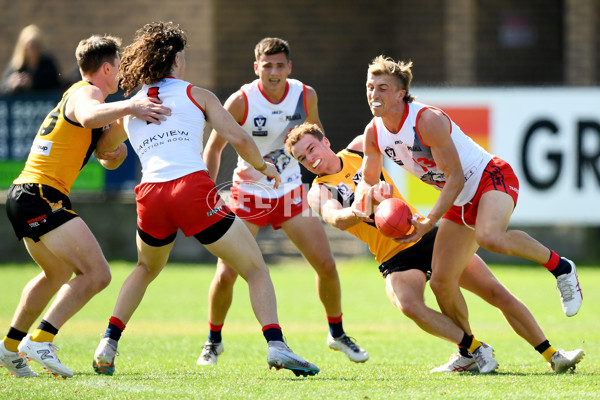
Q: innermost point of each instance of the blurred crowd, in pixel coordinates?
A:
(32, 68)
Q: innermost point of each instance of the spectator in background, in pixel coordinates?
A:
(30, 68)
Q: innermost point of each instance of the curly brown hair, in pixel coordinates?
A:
(150, 57)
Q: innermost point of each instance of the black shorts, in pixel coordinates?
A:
(35, 209)
(417, 256)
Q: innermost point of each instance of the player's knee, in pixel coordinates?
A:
(491, 241)
(99, 280)
(103, 283)
(104, 280)
(502, 299)
(327, 268)
(256, 275)
(226, 276)
(439, 284)
(411, 308)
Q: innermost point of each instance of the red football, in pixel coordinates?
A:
(392, 218)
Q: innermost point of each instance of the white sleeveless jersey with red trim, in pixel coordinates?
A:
(269, 124)
(406, 149)
(174, 148)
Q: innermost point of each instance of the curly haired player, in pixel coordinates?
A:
(176, 191)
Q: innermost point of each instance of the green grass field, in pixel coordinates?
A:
(159, 348)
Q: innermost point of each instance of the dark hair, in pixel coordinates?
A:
(272, 45)
(150, 57)
(94, 51)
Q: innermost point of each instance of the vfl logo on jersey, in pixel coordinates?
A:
(391, 154)
(41, 147)
(346, 194)
(260, 123)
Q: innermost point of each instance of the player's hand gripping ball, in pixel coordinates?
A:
(392, 218)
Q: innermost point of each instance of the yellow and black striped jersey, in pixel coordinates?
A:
(342, 186)
(61, 148)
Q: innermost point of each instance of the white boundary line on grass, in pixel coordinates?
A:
(135, 388)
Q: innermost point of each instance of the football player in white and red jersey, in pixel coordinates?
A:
(176, 191)
(478, 191)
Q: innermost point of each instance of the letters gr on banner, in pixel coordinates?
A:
(553, 146)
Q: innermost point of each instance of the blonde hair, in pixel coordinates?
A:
(31, 33)
(401, 71)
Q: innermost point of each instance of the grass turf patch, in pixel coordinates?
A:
(162, 341)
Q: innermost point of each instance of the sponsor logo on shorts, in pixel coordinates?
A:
(57, 206)
(37, 221)
(214, 211)
(514, 189)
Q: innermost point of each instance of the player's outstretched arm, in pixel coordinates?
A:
(212, 153)
(371, 168)
(330, 209)
(236, 105)
(87, 107)
(229, 129)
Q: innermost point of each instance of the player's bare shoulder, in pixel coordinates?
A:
(82, 97)
(433, 120)
(311, 93)
(356, 144)
(236, 105)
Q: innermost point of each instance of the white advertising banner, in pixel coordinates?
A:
(550, 136)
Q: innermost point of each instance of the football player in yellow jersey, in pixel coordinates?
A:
(407, 266)
(40, 210)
